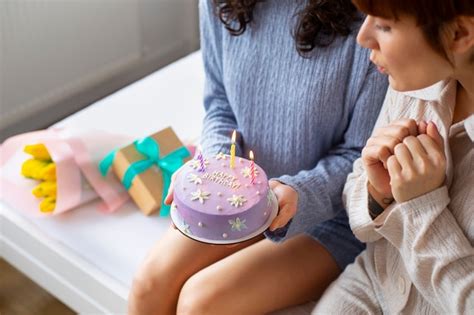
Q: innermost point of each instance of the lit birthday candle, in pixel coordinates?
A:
(252, 168)
(202, 167)
(232, 150)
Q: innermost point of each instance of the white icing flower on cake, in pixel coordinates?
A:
(220, 156)
(173, 207)
(195, 179)
(237, 224)
(247, 172)
(200, 195)
(196, 164)
(237, 200)
(185, 228)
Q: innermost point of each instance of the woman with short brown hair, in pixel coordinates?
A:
(410, 196)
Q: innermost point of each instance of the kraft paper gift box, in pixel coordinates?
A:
(145, 168)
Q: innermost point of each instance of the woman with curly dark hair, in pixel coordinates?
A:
(289, 76)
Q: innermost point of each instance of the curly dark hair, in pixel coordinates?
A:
(319, 22)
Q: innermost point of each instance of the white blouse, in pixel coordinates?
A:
(422, 249)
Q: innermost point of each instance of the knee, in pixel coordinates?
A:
(198, 296)
(151, 280)
(146, 279)
(142, 287)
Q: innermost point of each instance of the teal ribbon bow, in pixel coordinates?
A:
(148, 147)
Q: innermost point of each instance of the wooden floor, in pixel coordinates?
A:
(21, 296)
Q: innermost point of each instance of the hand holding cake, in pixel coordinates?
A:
(287, 197)
(287, 203)
(223, 199)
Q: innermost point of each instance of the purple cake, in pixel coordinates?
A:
(217, 204)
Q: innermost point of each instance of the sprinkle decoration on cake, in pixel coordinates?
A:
(220, 203)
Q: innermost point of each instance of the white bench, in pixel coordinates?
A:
(87, 258)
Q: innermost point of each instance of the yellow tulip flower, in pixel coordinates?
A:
(45, 189)
(48, 173)
(38, 151)
(31, 168)
(48, 204)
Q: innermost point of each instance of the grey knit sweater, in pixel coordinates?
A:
(306, 120)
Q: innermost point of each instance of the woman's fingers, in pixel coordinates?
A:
(287, 202)
(422, 127)
(399, 129)
(373, 156)
(273, 184)
(169, 196)
(415, 147)
(432, 132)
(409, 124)
(384, 140)
(283, 217)
(404, 156)
(434, 152)
(394, 168)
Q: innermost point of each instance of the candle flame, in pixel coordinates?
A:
(251, 154)
(234, 136)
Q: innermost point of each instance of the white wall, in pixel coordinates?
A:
(57, 56)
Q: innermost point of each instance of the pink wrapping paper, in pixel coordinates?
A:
(76, 154)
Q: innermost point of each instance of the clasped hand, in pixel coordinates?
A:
(405, 160)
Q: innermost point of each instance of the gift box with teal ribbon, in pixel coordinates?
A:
(145, 168)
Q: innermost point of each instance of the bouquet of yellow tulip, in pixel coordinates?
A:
(41, 168)
(55, 170)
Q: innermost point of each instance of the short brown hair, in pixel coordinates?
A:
(431, 15)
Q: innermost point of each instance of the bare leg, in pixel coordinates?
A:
(260, 279)
(170, 263)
